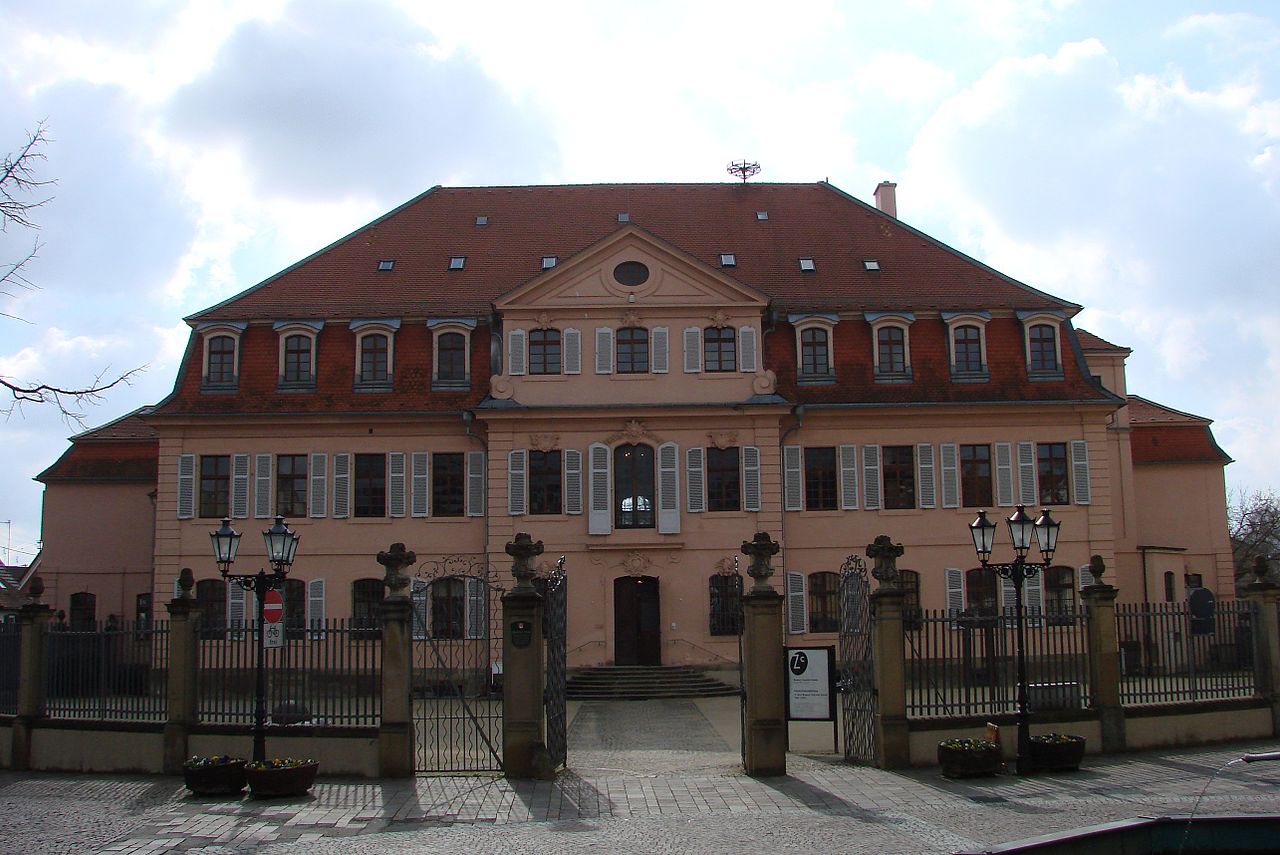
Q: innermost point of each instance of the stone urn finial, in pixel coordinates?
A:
(885, 554)
(36, 589)
(1096, 568)
(760, 549)
(523, 549)
(1260, 570)
(395, 560)
(186, 582)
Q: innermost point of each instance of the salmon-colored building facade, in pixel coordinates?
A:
(642, 377)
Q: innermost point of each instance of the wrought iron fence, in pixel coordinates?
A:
(329, 673)
(10, 663)
(112, 672)
(1169, 655)
(963, 664)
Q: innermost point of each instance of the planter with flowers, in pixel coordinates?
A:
(218, 775)
(281, 776)
(968, 758)
(1056, 752)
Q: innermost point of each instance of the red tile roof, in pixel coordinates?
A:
(1089, 341)
(1164, 435)
(122, 450)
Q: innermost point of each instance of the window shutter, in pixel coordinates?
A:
(695, 479)
(419, 596)
(797, 608)
(604, 351)
(517, 470)
(475, 483)
(1033, 592)
(792, 486)
(341, 485)
(395, 483)
(692, 350)
(668, 488)
(477, 608)
(240, 486)
(1086, 577)
(515, 352)
(848, 477)
(1080, 471)
(1007, 595)
(262, 486)
(177, 588)
(659, 350)
(747, 349)
(599, 520)
(315, 607)
(572, 341)
(420, 491)
(1026, 473)
(1004, 474)
(955, 590)
(871, 477)
(750, 478)
(950, 475)
(235, 610)
(318, 501)
(926, 484)
(186, 486)
(572, 461)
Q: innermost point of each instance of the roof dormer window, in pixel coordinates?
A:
(482, 220)
(624, 217)
(762, 215)
(871, 265)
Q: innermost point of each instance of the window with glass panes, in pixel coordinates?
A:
(724, 482)
(820, 479)
(1059, 593)
(215, 485)
(633, 350)
(544, 351)
(824, 602)
(980, 591)
(291, 485)
(448, 608)
(374, 351)
(294, 594)
(720, 349)
(544, 482)
(967, 349)
(366, 602)
(899, 471)
(633, 486)
(892, 344)
(297, 359)
(725, 592)
(451, 358)
(1051, 463)
(1044, 348)
(975, 476)
(222, 359)
(815, 360)
(371, 485)
(448, 484)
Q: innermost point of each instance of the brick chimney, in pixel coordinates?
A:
(886, 199)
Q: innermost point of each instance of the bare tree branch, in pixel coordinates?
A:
(68, 401)
(18, 180)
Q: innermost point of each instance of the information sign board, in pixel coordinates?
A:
(811, 683)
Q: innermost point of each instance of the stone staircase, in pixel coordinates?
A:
(642, 682)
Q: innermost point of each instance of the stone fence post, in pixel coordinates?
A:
(888, 656)
(1266, 640)
(395, 729)
(1104, 658)
(763, 660)
(524, 750)
(184, 619)
(33, 621)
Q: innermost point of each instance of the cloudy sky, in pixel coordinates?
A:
(1125, 156)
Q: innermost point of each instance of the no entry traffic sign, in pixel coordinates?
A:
(272, 607)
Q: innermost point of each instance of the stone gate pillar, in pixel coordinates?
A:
(524, 750)
(33, 621)
(184, 618)
(889, 666)
(1104, 657)
(1266, 639)
(395, 730)
(763, 660)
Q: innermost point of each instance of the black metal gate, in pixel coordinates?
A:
(555, 604)
(457, 665)
(857, 677)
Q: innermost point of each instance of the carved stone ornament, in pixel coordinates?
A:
(544, 442)
(1096, 568)
(543, 320)
(631, 319)
(764, 383)
(760, 549)
(186, 582)
(395, 560)
(727, 566)
(35, 589)
(633, 432)
(523, 549)
(719, 320)
(501, 387)
(724, 438)
(636, 564)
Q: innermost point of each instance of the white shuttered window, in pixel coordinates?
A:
(750, 479)
(186, 486)
(797, 604)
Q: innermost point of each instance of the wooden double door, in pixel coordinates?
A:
(637, 621)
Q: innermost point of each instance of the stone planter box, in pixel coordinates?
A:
(969, 762)
(1057, 756)
(215, 780)
(283, 781)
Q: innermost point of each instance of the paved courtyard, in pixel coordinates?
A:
(646, 776)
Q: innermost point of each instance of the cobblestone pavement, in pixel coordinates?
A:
(623, 795)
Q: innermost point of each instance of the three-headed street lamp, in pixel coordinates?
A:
(1018, 571)
(282, 544)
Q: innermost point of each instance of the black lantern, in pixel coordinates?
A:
(281, 543)
(983, 532)
(1047, 535)
(226, 541)
(1020, 526)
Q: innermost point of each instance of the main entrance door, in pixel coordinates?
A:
(637, 621)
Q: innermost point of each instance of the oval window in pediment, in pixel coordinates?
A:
(631, 273)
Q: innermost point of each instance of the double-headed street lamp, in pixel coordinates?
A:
(1018, 571)
(282, 544)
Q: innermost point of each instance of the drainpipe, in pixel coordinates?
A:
(468, 419)
(798, 412)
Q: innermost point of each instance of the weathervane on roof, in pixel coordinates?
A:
(743, 169)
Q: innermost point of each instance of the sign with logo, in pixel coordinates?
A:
(811, 683)
(521, 633)
(272, 619)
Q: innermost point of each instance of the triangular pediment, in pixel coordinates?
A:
(671, 279)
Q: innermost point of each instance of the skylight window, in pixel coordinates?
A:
(549, 261)
(728, 259)
(482, 220)
(871, 264)
(387, 264)
(624, 217)
(762, 215)
(457, 262)
(807, 265)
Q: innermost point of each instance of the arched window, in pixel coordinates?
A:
(815, 355)
(544, 351)
(297, 359)
(211, 600)
(374, 355)
(366, 598)
(967, 349)
(726, 604)
(719, 349)
(633, 350)
(451, 358)
(892, 349)
(295, 607)
(448, 608)
(980, 588)
(633, 486)
(1044, 348)
(824, 602)
(222, 360)
(1059, 595)
(912, 617)
(84, 608)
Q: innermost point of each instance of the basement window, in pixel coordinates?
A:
(457, 262)
(728, 259)
(549, 261)
(871, 264)
(387, 264)
(807, 265)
